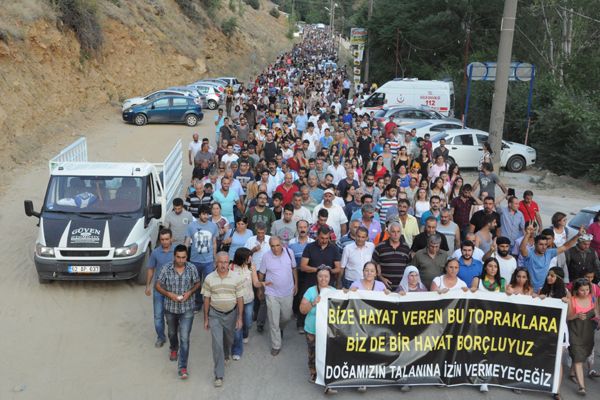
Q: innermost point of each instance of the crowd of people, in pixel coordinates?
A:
(300, 193)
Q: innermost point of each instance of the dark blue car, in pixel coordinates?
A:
(166, 109)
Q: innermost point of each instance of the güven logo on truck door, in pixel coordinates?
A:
(86, 234)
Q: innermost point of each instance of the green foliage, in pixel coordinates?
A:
(274, 12)
(81, 17)
(211, 7)
(232, 5)
(253, 3)
(229, 26)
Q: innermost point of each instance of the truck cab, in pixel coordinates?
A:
(100, 220)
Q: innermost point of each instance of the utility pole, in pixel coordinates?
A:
(370, 13)
(507, 30)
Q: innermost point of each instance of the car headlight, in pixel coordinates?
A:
(44, 251)
(126, 251)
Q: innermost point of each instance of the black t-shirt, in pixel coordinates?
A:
(318, 256)
(270, 150)
(477, 220)
(420, 242)
(364, 145)
(200, 173)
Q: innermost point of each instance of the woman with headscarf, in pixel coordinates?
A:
(411, 281)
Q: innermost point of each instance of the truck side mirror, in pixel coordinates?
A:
(29, 211)
(156, 211)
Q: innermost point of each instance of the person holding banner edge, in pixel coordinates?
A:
(308, 307)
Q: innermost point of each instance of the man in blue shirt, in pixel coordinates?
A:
(537, 261)
(201, 239)
(512, 220)
(158, 258)
(297, 246)
(301, 121)
(468, 267)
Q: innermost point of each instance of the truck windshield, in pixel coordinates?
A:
(94, 194)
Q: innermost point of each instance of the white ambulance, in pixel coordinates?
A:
(435, 95)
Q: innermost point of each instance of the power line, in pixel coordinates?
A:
(579, 14)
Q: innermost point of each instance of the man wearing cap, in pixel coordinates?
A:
(337, 218)
(581, 259)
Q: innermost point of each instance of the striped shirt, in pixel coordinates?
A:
(223, 292)
(392, 260)
(177, 283)
(384, 204)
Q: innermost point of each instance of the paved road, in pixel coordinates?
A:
(71, 340)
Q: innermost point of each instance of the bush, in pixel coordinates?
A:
(275, 12)
(81, 17)
(188, 9)
(253, 3)
(229, 26)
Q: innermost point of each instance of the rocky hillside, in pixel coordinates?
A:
(51, 84)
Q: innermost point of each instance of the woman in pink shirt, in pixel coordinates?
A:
(594, 230)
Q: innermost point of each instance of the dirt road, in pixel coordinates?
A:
(73, 340)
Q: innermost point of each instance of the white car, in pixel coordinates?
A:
(431, 126)
(213, 98)
(231, 80)
(134, 101)
(466, 147)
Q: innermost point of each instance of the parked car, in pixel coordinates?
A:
(217, 83)
(584, 217)
(194, 93)
(405, 115)
(431, 126)
(166, 109)
(213, 97)
(235, 84)
(466, 146)
(155, 95)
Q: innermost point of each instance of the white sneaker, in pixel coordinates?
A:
(483, 388)
(236, 357)
(245, 340)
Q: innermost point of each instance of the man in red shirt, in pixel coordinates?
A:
(389, 127)
(287, 189)
(530, 210)
(298, 160)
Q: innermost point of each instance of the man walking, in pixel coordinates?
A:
(159, 257)
(392, 256)
(354, 257)
(223, 294)
(177, 220)
(278, 270)
(201, 238)
(178, 282)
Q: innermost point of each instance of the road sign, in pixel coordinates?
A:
(486, 71)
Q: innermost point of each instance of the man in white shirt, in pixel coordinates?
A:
(312, 137)
(193, 148)
(336, 217)
(300, 212)
(477, 252)
(259, 245)
(230, 156)
(355, 256)
(337, 170)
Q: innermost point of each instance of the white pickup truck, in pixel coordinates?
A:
(100, 220)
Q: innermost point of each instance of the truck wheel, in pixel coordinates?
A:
(43, 281)
(140, 279)
(140, 119)
(191, 120)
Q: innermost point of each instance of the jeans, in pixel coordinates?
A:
(203, 270)
(346, 283)
(158, 302)
(180, 326)
(222, 327)
(240, 334)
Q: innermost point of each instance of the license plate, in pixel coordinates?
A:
(84, 269)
